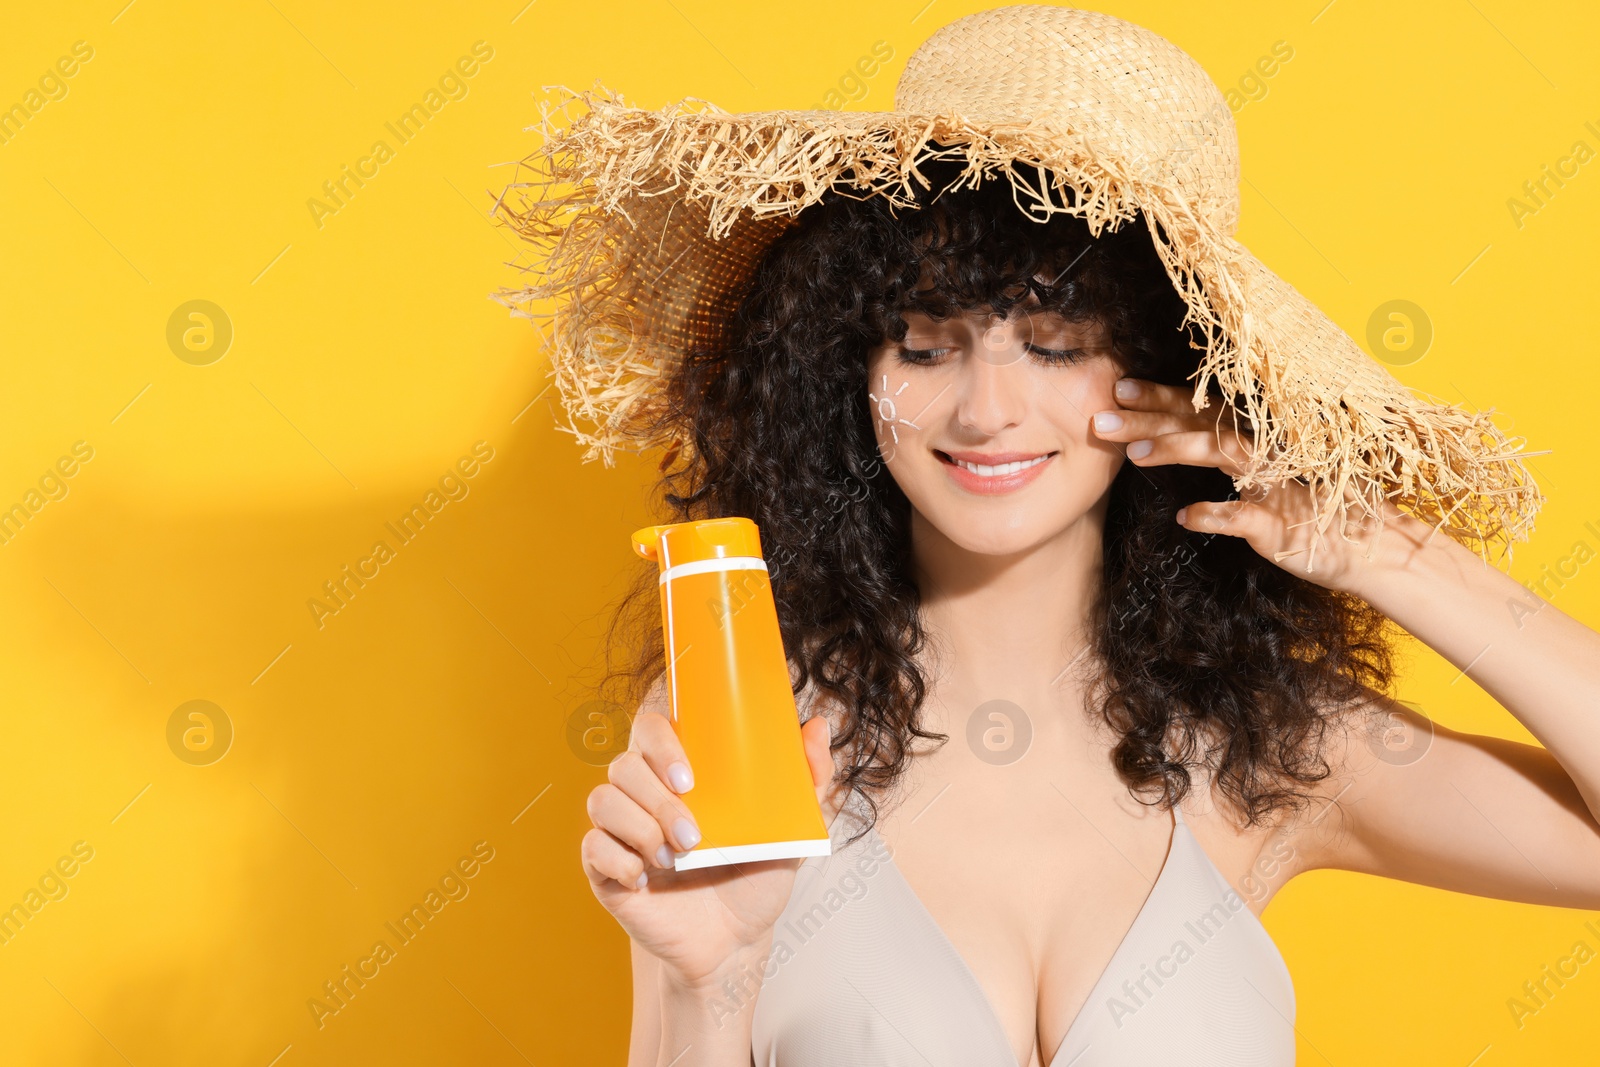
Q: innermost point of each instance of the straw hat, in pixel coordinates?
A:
(648, 225)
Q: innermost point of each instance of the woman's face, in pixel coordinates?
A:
(985, 423)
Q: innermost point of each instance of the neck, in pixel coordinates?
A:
(1009, 626)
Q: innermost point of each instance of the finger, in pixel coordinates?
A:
(630, 773)
(1124, 424)
(817, 734)
(657, 740)
(1141, 394)
(607, 859)
(1236, 518)
(1225, 450)
(612, 810)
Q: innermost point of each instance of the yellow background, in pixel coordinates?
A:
(428, 714)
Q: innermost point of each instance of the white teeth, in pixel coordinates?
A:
(1003, 469)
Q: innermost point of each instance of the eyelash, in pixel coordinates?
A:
(1054, 357)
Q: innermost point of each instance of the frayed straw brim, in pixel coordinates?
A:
(647, 227)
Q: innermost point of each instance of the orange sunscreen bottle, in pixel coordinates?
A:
(732, 702)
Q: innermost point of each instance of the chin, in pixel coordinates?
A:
(992, 539)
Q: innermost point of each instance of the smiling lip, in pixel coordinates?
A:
(992, 483)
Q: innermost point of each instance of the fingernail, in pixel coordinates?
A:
(1126, 389)
(686, 835)
(1140, 449)
(638, 883)
(680, 777)
(1105, 421)
(1181, 512)
(663, 856)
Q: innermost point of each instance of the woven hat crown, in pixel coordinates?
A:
(1132, 94)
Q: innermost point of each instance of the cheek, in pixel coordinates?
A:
(896, 402)
(1073, 400)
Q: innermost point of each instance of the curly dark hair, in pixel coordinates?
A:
(1204, 653)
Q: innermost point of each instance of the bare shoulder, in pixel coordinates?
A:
(1408, 798)
(1366, 735)
(1260, 856)
(1301, 835)
(1256, 857)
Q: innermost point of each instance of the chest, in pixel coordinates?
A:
(1037, 874)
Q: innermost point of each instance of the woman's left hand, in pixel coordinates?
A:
(1159, 425)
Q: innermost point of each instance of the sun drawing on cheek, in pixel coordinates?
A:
(888, 416)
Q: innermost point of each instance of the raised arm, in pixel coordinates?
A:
(1470, 813)
(1416, 801)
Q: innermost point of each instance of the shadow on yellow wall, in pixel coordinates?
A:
(381, 867)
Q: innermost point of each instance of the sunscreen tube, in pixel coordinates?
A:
(732, 701)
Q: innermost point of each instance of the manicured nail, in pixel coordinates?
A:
(638, 883)
(1140, 449)
(1126, 389)
(663, 856)
(1106, 421)
(686, 835)
(680, 777)
(1181, 512)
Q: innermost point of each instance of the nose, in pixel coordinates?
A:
(994, 382)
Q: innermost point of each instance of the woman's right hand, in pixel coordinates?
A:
(695, 922)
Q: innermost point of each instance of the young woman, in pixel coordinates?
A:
(1075, 709)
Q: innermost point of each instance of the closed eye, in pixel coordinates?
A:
(1058, 355)
(1050, 356)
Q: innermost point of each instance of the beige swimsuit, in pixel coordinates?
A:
(861, 974)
